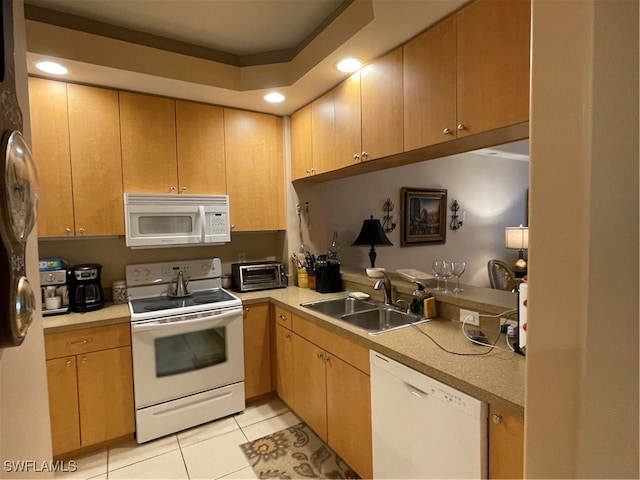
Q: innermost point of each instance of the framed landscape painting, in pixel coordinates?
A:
(424, 216)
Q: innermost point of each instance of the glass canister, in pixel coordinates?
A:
(119, 292)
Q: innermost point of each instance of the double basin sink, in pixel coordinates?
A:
(365, 314)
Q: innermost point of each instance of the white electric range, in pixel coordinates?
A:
(188, 358)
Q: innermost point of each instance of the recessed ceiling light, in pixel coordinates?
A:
(52, 67)
(274, 97)
(349, 65)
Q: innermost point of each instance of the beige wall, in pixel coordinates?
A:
(24, 408)
(581, 411)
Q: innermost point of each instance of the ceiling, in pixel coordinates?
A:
(227, 52)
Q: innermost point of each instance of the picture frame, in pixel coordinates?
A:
(424, 216)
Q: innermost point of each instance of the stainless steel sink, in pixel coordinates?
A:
(364, 314)
(381, 319)
(337, 307)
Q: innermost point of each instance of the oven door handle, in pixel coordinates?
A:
(219, 320)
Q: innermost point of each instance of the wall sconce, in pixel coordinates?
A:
(455, 223)
(388, 223)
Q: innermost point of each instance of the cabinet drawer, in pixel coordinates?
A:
(282, 316)
(350, 352)
(87, 340)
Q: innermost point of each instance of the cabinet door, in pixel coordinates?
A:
(94, 136)
(493, 64)
(255, 170)
(200, 137)
(349, 415)
(310, 390)
(323, 134)
(506, 444)
(382, 106)
(105, 391)
(430, 86)
(148, 135)
(257, 354)
(347, 124)
(284, 365)
(63, 404)
(50, 149)
(301, 147)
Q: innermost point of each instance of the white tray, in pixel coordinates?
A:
(415, 275)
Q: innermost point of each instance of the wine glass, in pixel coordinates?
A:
(458, 270)
(436, 268)
(447, 273)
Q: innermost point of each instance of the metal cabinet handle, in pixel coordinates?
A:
(173, 188)
(356, 157)
(497, 419)
(84, 360)
(184, 189)
(461, 126)
(68, 363)
(67, 230)
(81, 230)
(247, 309)
(287, 335)
(282, 317)
(447, 131)
(365, 155)
(80, 342)
(313, 171)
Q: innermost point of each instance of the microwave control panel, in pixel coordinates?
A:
(218, 224)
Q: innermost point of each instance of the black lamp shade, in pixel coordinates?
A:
(372, 234)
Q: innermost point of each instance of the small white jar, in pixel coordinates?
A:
(119, 292)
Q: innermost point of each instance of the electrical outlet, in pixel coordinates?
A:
(470, 317)
(242, 257)
(508, 322)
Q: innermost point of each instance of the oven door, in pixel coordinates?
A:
(173, 359)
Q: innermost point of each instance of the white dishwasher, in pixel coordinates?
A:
(423, 428)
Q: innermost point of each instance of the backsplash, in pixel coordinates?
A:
(113, 255)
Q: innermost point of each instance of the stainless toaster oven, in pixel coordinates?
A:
(250, 276)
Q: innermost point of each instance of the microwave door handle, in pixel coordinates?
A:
(203, 229)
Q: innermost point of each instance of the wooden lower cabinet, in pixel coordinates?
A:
(257, 350)
(90, 384)
(324, 378)
(506, 444)
(310, 388)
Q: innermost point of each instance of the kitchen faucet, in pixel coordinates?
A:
(385, 285)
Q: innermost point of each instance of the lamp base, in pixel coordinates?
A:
(520, 266)
(372, 256)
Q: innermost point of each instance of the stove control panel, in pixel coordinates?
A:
(165, 272)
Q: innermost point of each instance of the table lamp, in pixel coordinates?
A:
(517, 238)
(372, 234)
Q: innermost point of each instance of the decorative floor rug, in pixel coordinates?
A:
(295, 452)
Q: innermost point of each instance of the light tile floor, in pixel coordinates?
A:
(209, 451)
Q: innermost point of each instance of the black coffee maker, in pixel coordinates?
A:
(85, 289)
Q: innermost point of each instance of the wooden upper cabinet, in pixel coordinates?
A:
(255, 170)
(493, 64)
(301, 147)
(347, 138)
(430, 86)
(323, 133)
(94, 135)
(148, 133)
(200, 146)
(50, 149)
(382, 106)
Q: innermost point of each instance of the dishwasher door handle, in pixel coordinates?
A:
(416, 391)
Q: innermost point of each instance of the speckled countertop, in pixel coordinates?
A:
(497, 377)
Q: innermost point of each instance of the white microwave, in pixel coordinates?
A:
(169, 220)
